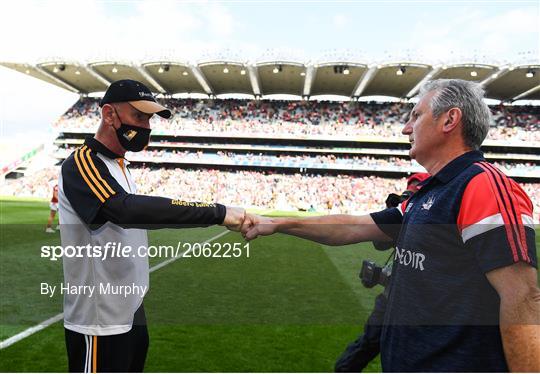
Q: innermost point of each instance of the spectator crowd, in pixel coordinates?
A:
(322, 193)
(234, 117)
(314, 161)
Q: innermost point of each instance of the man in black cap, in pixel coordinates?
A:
(102, 215)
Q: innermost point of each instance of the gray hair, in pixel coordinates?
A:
(467, 96)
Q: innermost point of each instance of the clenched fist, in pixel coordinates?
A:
(234, 218)
(255, 226)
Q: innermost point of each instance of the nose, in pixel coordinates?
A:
(407, 129)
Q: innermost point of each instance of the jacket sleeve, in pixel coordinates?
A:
(152, 212)
(390, 220)
(496, 221)
(97, 198)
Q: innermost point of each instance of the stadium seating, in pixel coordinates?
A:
(298, 119)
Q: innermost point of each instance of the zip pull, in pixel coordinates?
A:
(121, 163)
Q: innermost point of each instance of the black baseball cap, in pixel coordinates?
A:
(135, 93)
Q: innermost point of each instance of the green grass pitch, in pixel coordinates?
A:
(292, 306)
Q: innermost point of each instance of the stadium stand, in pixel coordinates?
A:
(298, 118)
(341, 157)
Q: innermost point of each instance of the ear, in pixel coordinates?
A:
(109, 115)
(452, 120)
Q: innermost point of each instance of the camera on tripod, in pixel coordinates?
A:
(372, 274)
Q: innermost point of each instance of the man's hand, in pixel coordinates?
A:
(234, 218)
(255, 226)
(519, 315)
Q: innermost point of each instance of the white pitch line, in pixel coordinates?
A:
(42, 325)
(29, 331)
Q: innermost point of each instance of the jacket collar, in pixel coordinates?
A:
(97, 146)
(457, 165)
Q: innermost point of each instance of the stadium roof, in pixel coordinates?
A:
(345, 78)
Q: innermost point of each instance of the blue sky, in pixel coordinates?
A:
(88, 30)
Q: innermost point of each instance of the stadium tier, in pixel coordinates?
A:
(343, 137)
(317, 163)
(311, 120)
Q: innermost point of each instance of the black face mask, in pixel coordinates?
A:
(132, 138)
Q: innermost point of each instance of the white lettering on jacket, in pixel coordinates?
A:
(410, 258)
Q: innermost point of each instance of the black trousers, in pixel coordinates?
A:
(368, 345)
(112, 353)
